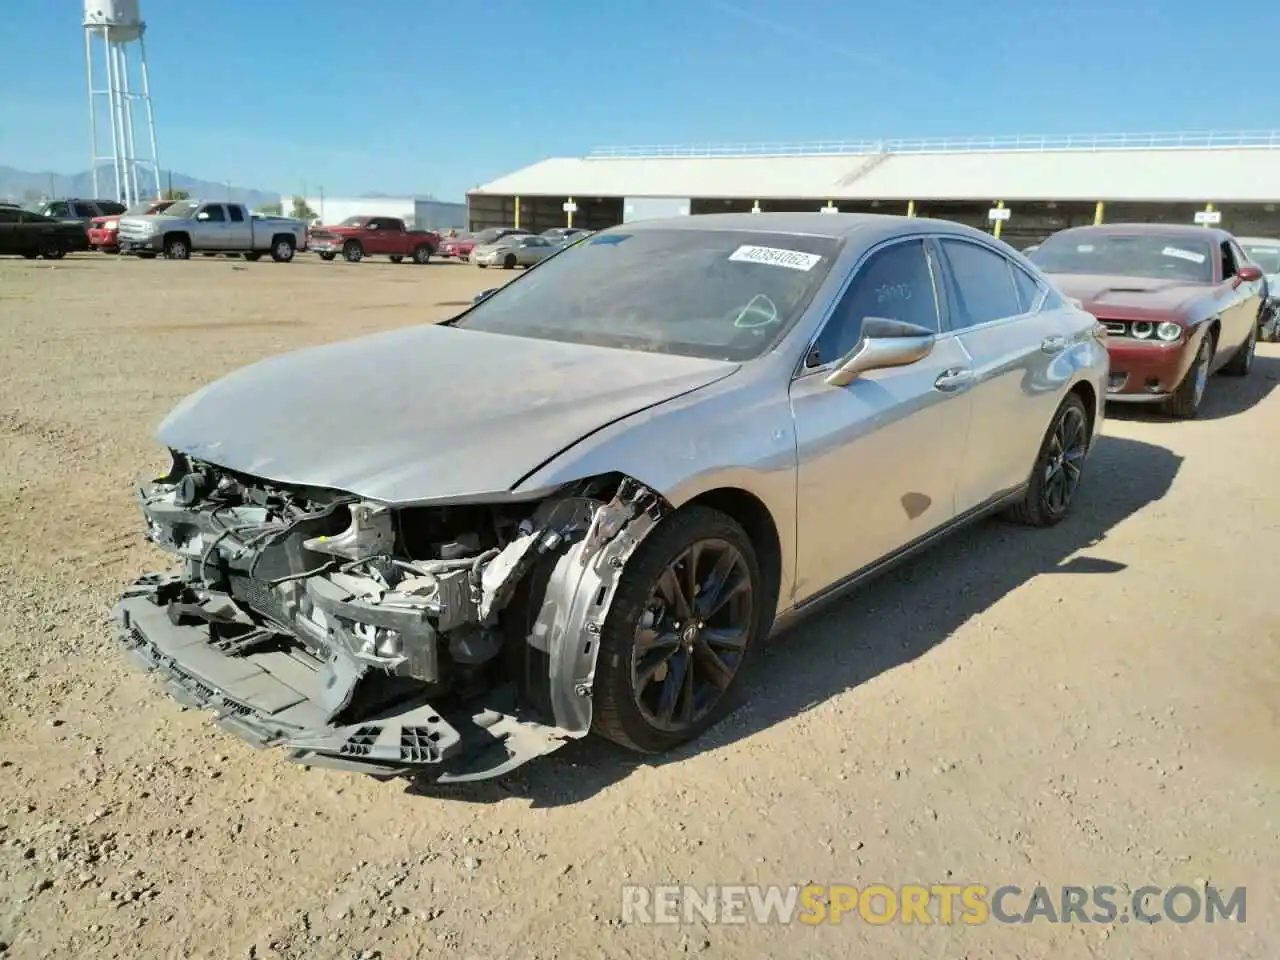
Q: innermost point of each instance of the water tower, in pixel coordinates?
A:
(115, 52)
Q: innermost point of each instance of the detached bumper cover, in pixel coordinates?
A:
(274, 698)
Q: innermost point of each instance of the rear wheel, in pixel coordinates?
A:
(1186, 399)
(282, 249)
(1059, 467)
(352, 252)
(327, 256)
(683, 626)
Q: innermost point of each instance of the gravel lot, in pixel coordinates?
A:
(1099, 703)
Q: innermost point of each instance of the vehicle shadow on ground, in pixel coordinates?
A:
(891, 621)
(1224, 396)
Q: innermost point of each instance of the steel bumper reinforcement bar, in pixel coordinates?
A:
(274, 698)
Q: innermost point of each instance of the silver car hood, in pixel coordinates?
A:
(422, 414)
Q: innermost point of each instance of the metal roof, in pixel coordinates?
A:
(1222, 168)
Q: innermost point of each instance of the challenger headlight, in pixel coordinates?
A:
(1142, 329)
(1169, 331)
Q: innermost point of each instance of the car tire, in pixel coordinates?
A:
(29, 255)
(1185, 402)
(352, 251)
(422, 254)
(253, 256)
(629, 711)
(396, 258)
(283, 249)
(509, 262)
(177, 248)
(1059, 467)
(327, 256)
(1242, 362)
(53, 253)
(483, 266)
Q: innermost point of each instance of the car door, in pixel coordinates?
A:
(375, 236)
(10, 233)
(998, 310)
(1241, 301)
(239, 229)
(877, 458)
(211, 227)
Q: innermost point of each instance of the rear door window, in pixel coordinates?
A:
(983, 284)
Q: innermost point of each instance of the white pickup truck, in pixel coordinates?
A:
(211, 226)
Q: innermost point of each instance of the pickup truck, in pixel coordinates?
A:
(358, 237)
(210, 226)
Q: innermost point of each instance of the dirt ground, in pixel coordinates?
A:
(1098, 703)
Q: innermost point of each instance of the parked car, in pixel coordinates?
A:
(1265, 253)
(449, 243)
(514, 250)
(562, 235)
(202, 226)
(103, 231)
(1180, 303)
(358, 237)
(30, 235)
(583, 503)
(462, 248)
(82, 211)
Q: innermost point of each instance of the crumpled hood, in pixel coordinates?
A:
(1129, 296)
(427, 413)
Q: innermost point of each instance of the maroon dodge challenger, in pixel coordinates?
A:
(1180, 303)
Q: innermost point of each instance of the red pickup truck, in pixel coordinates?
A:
(358, 237)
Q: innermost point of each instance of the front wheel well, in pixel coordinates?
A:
(754, 517)
(1089, 397)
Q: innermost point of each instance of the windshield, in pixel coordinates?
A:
(1266, 257)
(1152, 256)
(354, 221)
(492, 235)
(720, 294)
(183, 209)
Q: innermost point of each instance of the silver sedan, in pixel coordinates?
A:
(514, 250)
(584, 503)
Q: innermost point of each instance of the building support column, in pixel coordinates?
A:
(755, 206)
(517, 217)
(999, 223)
(569, 208)
(911, 208)
(1099, 209)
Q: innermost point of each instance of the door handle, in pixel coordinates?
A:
(1054, 344)
(954, 379)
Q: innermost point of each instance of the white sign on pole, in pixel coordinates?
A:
(999, 213)
(1208, 218)
(829, 210)
(569, 207)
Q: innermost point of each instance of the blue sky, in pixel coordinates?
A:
(426, 96)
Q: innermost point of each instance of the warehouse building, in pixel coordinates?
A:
(1022, 188)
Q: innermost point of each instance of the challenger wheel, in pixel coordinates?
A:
(1186, 399)
(1059, 467)
(684, 623)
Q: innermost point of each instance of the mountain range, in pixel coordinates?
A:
(23, 186)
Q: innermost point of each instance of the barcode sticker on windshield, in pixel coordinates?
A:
(777, 257)
(1189, 255)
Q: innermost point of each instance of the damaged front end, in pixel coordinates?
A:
(461, 639)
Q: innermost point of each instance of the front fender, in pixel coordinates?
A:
(737, 433)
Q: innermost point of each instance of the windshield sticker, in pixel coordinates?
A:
(1189, 255)
(776, 257)
(1084, 248)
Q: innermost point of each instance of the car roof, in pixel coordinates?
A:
(1184, 230)
(835, 226)
(1269, 241)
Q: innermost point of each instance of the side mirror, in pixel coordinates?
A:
(1248, 273)
(484, 293)
(885, 343)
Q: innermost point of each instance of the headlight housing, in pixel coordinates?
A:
(1142, 329)
(1169, 331)
(110, 224)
